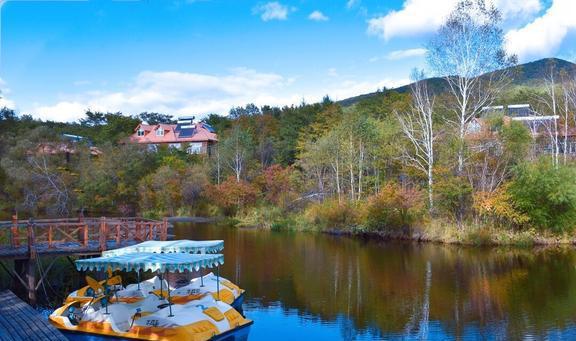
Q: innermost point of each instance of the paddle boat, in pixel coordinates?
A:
(155, 316)
(195, 289)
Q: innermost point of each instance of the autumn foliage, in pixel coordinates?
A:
(395, 207)
(232, 196)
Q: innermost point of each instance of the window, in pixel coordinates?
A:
(140, 132)
(160, 132)
(195, 148)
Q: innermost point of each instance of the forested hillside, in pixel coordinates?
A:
(400, 163)
(528, 75)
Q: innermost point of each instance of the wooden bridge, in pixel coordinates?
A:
(21, 239)
(26, 241)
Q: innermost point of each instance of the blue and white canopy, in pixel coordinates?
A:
(171, 246)
(171, 262)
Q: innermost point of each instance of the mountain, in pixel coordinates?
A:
(530, 74)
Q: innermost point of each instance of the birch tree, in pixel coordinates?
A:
(418, 127)
(467, 50)
(568, 88)
(236, 150)
(548, 108)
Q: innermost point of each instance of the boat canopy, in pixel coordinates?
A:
(171, 262)
(171, 246)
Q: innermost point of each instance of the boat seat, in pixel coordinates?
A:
(230, 285)
(234, 317)
(214, 313)
(225, 296)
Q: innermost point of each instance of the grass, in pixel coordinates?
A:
(435, 230)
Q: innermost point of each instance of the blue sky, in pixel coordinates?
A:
(59, 58)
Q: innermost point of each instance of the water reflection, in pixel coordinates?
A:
(354, 289)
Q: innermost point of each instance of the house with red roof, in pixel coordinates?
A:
(193, 137)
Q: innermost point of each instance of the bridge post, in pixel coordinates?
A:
(102, 234)
(14, 230)
(139, 236)
(30, 266)
(164, 233)
(85, 235)
(84, 231)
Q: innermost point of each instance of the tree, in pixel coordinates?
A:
(467, 50)
(249, 110)
(546, 194)
(174, 187)
(418, 127)
(232, 195)
(110, 181)
(156, 118)
(568, 88)
(548, 104)
(93, 119)
(41, 172)
(498, 147)
(236, 149)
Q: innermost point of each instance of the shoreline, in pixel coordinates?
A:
(189, 219)
(435, 233)
(517, 239)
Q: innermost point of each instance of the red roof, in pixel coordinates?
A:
(201, 134)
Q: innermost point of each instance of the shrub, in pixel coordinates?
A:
(231, 196)
(331, 214)
(498, 208)
(262, 216)
(277, 184)
(453, 195)
(394, 207)
(547, 195)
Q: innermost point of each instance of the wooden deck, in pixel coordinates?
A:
(79, 236)
(25, 242)
(19, 321)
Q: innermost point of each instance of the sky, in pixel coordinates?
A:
(59, 58)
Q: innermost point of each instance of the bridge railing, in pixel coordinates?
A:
(80, 232)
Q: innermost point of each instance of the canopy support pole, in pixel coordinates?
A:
(201, 278)
(161, 285)
(138, 278)
(105, 298)
(218, 282)
(169, 298)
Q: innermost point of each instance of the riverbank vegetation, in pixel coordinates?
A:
(426, 162)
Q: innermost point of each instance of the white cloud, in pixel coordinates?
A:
(332, 72)
(544, 35)
(402, 54)
(64, 111)
(5, 102)
(272, 11)
(350, 88)
(424, 16)
(183, 93)
(177, 93)
(317, 16)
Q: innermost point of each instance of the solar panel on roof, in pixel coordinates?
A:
(188, 132)
(208, 127)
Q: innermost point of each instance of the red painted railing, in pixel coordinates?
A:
(80, 232)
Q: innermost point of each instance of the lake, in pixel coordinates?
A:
(323, 287)
(330, 287)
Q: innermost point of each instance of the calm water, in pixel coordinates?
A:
(312, 286)
(326, 287)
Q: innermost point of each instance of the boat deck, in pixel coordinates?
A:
(19, 321)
